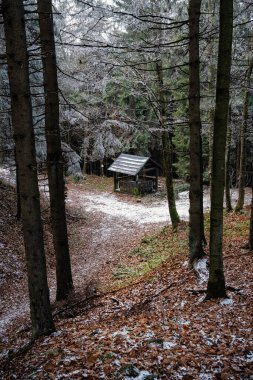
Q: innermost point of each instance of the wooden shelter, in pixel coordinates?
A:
(135, 175)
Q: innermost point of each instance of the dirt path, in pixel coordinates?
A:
(113, 224)
(99, 241)
(109, 227)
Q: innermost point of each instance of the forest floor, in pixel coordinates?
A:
(137, 311)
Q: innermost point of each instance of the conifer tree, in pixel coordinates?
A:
(216, 282)
(251, 224)
(54, 153)
(196, 233)
(22, 122)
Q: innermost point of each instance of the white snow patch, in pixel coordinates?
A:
(201, 299)
(56, 333)
(83, 373)
(124, 333)
(109, 204)
(226, 302)
(210, 340)
(148, 335)
(157, 212)
(205, 376)
(168, 345)
(141, 376)
(117, 363)
(11, 315)
(200, 267)
(249, 357)
(8, 175)
(70, 358)
(138, 213)
(182, 321)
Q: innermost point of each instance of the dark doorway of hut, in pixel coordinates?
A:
(135, 175)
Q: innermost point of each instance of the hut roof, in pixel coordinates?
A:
(128, 164)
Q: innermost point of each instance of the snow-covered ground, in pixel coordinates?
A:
(110, 204)
(154, 212)
(8, 175)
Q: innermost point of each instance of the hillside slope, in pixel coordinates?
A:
(155, 326)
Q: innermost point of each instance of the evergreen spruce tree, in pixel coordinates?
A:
(216, 282)
(165, 114)
(251, 224)
(22, 122)
(54, 154)
(196, 233)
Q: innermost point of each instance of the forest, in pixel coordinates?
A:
(126, 187)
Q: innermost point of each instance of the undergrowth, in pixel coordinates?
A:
(153, 251)
(156, 249)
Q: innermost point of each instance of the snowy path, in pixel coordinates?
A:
(111, 228)
(140, 213)
(155, 212)
(110, 204)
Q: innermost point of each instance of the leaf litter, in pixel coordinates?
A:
(156, 328)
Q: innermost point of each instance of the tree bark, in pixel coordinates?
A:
(16, 50)
(166, 143)
(229, 207)
(167, 162)
(251, 225)
(243, 129)
(18, 214)
(211, 88)
(54, 153)
(216, 282)
(196, 232)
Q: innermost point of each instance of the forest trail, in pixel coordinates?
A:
(102, 240)
(158, 316)
(103, 228)
(112, 225)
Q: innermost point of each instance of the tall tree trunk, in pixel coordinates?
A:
(18, 214)
(210, 137)
(211, 8)
(167, 144)
(251, 214)
(18, 205)
(229, 207)
(196, 233)
(54, 153)
(216, 282)
(243, 129)
(13, 14)
(167, 162)
(251, 224)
